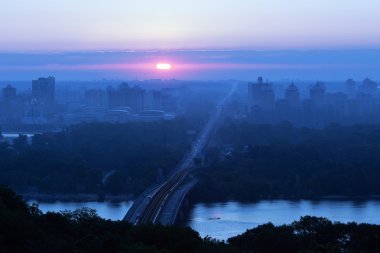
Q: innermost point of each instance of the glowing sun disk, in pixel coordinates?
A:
(163, 66)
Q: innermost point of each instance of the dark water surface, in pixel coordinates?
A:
(223, 220)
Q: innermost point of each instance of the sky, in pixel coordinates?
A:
(72, 25)
(193, 65)
(202, 39)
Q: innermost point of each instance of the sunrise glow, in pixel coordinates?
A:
(163, 66)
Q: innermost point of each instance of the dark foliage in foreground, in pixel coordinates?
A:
(78, 159)
(310, 234)
(24, 228)
(287, 162)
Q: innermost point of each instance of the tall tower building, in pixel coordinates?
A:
(351, 88)
(368, 86)
(317, 93)
(9, 93)
(10, 104)
(260, 94)
(43, 90)
(292, 95)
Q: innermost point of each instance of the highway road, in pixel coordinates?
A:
(149, 205)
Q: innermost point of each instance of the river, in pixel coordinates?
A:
(223, 220)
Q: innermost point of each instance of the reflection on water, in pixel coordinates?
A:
(9, 137)
(106, 210)
(223, 220)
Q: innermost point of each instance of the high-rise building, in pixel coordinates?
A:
(351, 88)
(9, 93)
(34, 113)
(125, 95)
(153, 100)
(9, 97)
(368, 86)
(292, 95)
(317, 93)
(261, 94)
(254, 90)
(11, 105)
(43, 90)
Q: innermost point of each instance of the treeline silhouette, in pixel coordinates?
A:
(309, 234)
(282, 161)
(93, 157)
(24, 228)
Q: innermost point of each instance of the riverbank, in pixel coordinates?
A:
(85, 197)
(25, 229)
(80, 197)
(194, 199)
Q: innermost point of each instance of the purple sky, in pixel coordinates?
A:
(193, 65)
(70, 25)
(213, 39)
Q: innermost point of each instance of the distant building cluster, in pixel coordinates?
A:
(43, 106)
(129, 103)
(359, 103)
(35, 108)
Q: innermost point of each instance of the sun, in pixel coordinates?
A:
(163, 66)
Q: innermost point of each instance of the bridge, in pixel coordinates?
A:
(161, 202)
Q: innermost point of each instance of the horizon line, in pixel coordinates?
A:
(205, 49)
